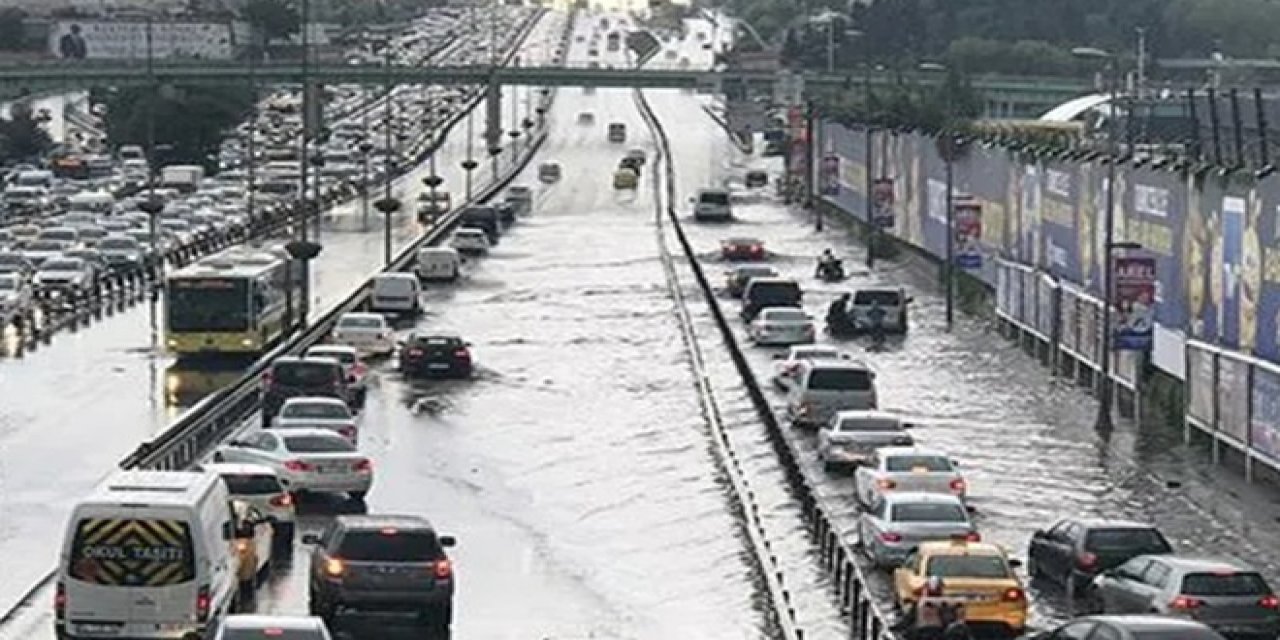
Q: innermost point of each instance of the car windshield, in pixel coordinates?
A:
(345, 357)
(786, 315)
(827, 379)
(252, 484)
(361, 322)
(439, 341)
(928, 512)
(885, 298)
(775, 292)
(61, 265)
(304, 374)
(860, 424)
(390, 545)
(318, 444)
(974, 566)
(714, 197)
(1129, 540)
(816, 354)
(113, 244)
(920, 463)
(1224, 584)
(315, 410)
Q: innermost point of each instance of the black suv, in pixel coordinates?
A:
(291, 377)
(1072, 552)
(381, 563)
(436, 355)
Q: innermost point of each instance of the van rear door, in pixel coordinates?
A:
(135, 570)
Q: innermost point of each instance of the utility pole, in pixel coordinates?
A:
(1142, 60)
(304, 307)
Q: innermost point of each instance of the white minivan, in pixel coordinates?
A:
(438, 263)
(824, 388)
(395, 293)
(712, 205)
(149, 554)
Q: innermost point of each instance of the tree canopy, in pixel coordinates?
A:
(22, 138)
(189, 121)
(272, 18)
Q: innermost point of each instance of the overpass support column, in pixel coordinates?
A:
(493, 122)
(314, 117)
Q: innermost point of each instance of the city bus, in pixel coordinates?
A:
(237, 303)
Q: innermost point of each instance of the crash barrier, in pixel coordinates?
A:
(868, 619)
(783, 613)
(54, 310)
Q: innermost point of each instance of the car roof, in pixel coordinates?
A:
(379, 521)
(332, 348)
(1102, 523)
(741, 240)
(857, 365)
(773, 311)
(867, 414)
(960, 548)
(1146, 622)
(315, 400)
(303, 360)
(909, 451)
(1193, 564)
(256, 621)
(921, 496)
(468, 231)
(773, 280)
(319, 432)
(361, 315)
(239, 468)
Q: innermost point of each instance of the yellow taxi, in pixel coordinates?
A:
(253, 545)
(977, 575)
(625, 178)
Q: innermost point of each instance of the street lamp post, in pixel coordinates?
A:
(947, 147)
(366, 148)
(1104, 421)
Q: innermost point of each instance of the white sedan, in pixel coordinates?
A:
(915, 469)
(472, 241)
(316, 460)
(324, 413)
(789, 364)
(367, 332)
(781, 326)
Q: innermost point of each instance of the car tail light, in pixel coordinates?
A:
(889, 536)
(1086, 560)
(298, 465)
(282, 500)
(415, 353)
(885, 483)
(334, 567)
(958, 485)
(363, 466)
(973, 536)
(203, 602)
(60, 601)
(463, 354)
(442, 570)
(348, 432)
(1185, 603)
(242, 546)
(1013, 594)
(273, 632)
(267, 378)
(1269, 602)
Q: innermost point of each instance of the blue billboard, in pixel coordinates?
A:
(1059, 229)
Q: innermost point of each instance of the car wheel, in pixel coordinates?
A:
(322, 609)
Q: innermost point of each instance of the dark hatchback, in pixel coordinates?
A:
(1072, 552)
(291, 377)
(441, 356)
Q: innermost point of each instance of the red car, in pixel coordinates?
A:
(742, 249)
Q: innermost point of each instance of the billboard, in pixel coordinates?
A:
(127, 40)
(1059, 232)
(1135, 299)
(830, 174)
(967, 233)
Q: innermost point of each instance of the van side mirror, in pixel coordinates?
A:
(310, 538)
(448, 541)
(1015, 563)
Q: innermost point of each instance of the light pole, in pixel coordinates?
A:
(947, 147)
(1103, 421)
(469, 165)
(366, 148)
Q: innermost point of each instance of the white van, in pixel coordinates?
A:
(712, 205)
(149, 554)
(438, 263)
(395, 293)
(825, 387)
(38, 178)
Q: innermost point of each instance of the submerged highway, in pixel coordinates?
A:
(117, 387)
(576, 468)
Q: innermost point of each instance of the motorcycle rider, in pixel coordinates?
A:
(828, 264)
(838, 314)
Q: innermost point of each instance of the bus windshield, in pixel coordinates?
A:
(209, 304)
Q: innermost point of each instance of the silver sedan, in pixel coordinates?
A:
(307, 459)
(899, 522)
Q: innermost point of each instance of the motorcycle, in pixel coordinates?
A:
(831, 271)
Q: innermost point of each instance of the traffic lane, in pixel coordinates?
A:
(113, 387)
(783, 519)
(571, 476)
(1024, 439)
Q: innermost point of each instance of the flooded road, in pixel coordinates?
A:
(83, 402)
(1024, 439)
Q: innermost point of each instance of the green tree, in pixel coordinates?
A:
(13, 33)
(188, 121)
(272, 18)
(22, 138)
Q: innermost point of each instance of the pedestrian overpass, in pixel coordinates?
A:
(1004, 96)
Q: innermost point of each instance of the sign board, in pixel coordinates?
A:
(127, 40)
(643, 46)
(882, 203)
(967, 234)
(1134, 279)
(830, 175)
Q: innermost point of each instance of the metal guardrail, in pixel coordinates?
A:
(868, 620)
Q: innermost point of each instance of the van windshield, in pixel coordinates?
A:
(714, 197)
(132, 552)
(840, 380)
